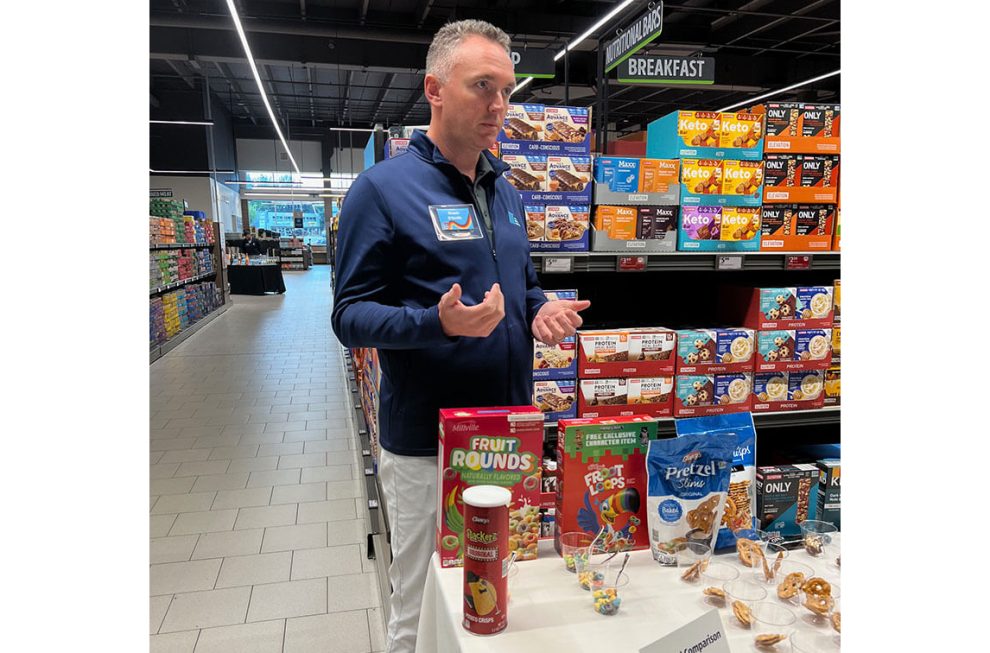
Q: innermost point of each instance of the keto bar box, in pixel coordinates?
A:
(705, 134)
(488, 446)
(786, 496)
(601, 483)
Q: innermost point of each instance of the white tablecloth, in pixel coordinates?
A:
(548, 610)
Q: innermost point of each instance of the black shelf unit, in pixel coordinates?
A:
(688, 261)
(179, 284)
(180, 246)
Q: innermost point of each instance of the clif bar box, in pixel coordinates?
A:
(786, 497)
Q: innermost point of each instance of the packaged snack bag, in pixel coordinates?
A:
(741, 502)
(687, 484)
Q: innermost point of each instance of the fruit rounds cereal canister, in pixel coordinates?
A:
(486, 559)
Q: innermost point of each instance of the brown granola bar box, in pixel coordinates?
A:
(625, 353)
(786, 496)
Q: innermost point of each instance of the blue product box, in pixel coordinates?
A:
(571, 125)
(545, 148)
(699, 134)
(566, 229)
(396, 146)
(555, 362)
(621, 174)
(556, 399)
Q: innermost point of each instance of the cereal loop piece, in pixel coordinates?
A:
(817, 587)
(789, 587)
(770, 639)
(742, 613)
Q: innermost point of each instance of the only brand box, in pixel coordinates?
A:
(488, 446)
(786, 497)
(715, 351)
(797, 227)
(801, 178)
(801, 128)
(601, 479)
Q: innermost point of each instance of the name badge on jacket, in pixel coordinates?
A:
(455, 222)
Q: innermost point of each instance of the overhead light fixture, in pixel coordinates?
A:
(783, 90)
(192, 172)
(522, 83)
(257, 80)
(349, 129)
(591, 30)
(208, 123)
(262, 183)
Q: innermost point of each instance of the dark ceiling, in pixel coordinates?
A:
(332, 63)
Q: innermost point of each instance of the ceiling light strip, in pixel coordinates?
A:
(783, 90)
(208, 123)
(257, 79)
(591, 30)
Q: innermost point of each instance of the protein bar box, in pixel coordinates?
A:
(523, 122)
(628, 352)
(786, 496)
(698, 395)
(489, 446)
(801, 178)
(801, 128)
(651, 396)
(601, 479)
(764, 309)
(829, 491)
(715, 351)
(783, 350)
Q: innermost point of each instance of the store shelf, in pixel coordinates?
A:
(783, 419)
(687, 261)
(181, 246)
(179, 284)
(160, 350)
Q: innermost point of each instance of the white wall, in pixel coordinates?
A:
(342, 159)
(229, 202)
(259, 154)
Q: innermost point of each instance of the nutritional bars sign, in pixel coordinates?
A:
(537, 63)
(667, 70)
(646, 28)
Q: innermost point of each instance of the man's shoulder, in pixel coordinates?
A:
(387, 173)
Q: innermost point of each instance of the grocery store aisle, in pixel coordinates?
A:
(258, 514)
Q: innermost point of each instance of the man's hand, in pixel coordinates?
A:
(479, 321)
(558, 319)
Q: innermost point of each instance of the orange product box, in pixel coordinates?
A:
(489, 446)
(623, 397)
(623, 224)
(699, 128)
(601, 479)
(742, 177)
(628, 352)
(837, 238)
(605, 216)
(702, 176)
(740, 129)
(801, 178)
(658, 175)
(801, 128)
(797, 227)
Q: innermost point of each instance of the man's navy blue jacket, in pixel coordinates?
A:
(393, 267)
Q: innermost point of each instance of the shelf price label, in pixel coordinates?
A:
(632, 263)
(729, 263)
(558, 264)
(801, 262)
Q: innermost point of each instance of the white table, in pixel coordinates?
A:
(548, 611)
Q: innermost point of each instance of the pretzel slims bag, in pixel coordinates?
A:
(687, 484)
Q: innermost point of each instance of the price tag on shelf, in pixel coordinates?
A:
(560, 264)
(632, 263)
(801, 262)
(729, 263)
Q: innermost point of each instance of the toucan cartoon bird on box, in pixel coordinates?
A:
(616, 513)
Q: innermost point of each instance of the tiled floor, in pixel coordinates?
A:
(258, 515)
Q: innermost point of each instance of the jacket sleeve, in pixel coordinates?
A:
(360, 317)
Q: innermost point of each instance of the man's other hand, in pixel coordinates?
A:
(458, 319)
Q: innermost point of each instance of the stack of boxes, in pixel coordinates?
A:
(170, 210)
(636, 205)
(555, 371)
(721, 173)
(158, 334)
(171, 308)
(793, 342)
(182, 310)
(833, 376)
(179, 309)
(714, 371)
(801, 190)
(549, 152)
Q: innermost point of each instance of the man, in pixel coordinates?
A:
(433, 269)
(251, 246)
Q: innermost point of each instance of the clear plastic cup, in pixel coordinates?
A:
(715, 575)
(692, 559)
(743, 592)
(512, 574)
(591, 571)
(607, 599)
(754, 535)
(772, 625)
(817, 537)
(816, 608)
(804, 641)
(769, 563)
(574, 545)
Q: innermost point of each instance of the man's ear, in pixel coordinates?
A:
(431, 89)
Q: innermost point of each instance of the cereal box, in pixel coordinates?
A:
(698, 224)
(620, 174)
(829, 491)
(701, 176)
(742, 178)
(814, 305)
(715, 351)
(555, 361)
(556, 399)
(566, 228)
(734, 391)
(570, 174)
(658, 175)
(536, 223)
(741, 130)
(527, 172)
(786, 496)
(567, 125)
(601, 480)
(833, 386)
(488, 446)
(523, 122)
(768, 309)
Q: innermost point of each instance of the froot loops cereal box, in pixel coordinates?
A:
(501, 446)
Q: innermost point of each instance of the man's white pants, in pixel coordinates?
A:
(410, 487)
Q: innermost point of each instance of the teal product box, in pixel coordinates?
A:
(620, 174)
(715, 351)
(815, 303)
(775, 350)
(694, 390)
(786, 497)
(829, 491)
(695, 134)
(700, 229)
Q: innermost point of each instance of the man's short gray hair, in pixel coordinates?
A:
(440, 58)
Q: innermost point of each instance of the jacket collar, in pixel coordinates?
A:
(421, 144)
